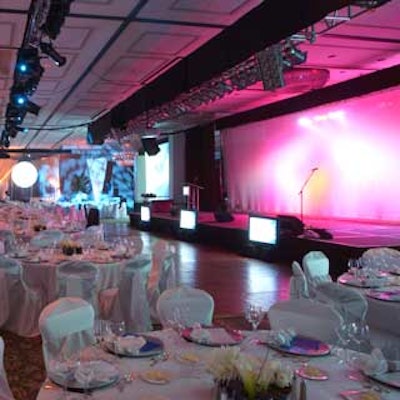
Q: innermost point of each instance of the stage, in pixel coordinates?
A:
(349, 238)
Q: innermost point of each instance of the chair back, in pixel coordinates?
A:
(47, 238)
(298, 282)
(24, 302)
(133, 294)
(5, 391)
(348, 302)
(4, 303)
(316, 269)
(78, 279)
(307, 317)
(185, 306)
(8, 238)
(66, 326)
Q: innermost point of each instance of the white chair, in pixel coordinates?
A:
(129, 301)
(4, 304)
(8, 238)
(5, 391)
(78, 279)
(66, 326)
(47, 238)
(307, 317)
(348, 302)
(163, 273)
(24, 303)
(185, 306)
(298, 282)
(316, 270)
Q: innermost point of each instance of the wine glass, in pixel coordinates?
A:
(254, 315)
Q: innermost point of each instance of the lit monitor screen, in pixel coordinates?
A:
(145, 213)
(186, 190)
(188, 219)
(263, 229)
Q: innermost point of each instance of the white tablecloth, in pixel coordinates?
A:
(42, 276)
(194, 383)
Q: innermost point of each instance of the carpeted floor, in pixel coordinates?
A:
(25, 367)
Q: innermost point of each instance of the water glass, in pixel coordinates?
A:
(254, 315)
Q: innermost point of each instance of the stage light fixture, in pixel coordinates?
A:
(292, 56)
(53, 54)
(4, 139)
(20, 100)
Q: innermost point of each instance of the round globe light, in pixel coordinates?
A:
(24, 174)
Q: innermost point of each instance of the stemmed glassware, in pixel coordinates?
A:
(254, 314)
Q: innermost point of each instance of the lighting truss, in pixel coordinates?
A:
(267, 66)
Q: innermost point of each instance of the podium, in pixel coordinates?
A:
(191, 191)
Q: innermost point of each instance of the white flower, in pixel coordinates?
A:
(283, 377)
(222, 363)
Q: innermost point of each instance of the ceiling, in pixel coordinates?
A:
(114, 48)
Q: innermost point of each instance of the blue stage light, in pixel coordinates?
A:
(23, 67)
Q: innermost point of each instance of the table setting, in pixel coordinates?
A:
(167, 363)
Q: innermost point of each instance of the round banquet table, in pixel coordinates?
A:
(41, 275)
(383, 316)
(195, 383)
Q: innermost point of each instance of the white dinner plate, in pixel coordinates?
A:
(105, 374)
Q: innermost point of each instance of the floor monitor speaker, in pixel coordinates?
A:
(290, 226)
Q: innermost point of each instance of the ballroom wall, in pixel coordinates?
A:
(354, 145)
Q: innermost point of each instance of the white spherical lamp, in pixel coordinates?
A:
(24, 174)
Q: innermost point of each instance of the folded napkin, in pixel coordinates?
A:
(92, 373)
(283, 337)
(215, 336)
(129, 344)
(200, 334)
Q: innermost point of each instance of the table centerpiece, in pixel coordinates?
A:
(242, 376)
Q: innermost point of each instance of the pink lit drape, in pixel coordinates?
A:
(354, 144)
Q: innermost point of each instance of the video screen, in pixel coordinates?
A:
(263, 229)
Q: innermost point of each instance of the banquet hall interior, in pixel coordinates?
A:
(244, 148)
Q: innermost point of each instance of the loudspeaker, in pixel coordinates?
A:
(290, 226)
(99, 130)
(150, 146)
(270, 65)
(93, 217)
(223, 216)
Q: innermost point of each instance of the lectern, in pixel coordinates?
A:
(192, 193)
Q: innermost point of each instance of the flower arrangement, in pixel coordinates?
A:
(70, 247)
(244, 376)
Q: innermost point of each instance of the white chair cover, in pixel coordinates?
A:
(348, 302)
(66, 326)
(185, 306)
(78, 279)
(4, 304)
(129, 302)
(90, 236)
(8, 238)
(307, 317)
(381, 258)
(163, 274)
(5, 391)
(47, 238)
(298, 282)
(316, 270)
(24, 303)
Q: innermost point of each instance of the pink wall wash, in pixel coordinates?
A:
(355, 145)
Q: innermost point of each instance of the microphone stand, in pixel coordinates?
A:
(301, 192)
